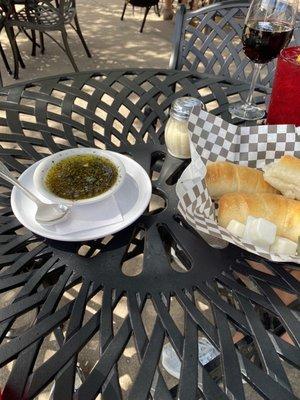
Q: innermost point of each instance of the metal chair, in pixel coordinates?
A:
(45, 16)
(2, 23)
(147, 4)
(32, 38)
(16, 55)
(209, 40)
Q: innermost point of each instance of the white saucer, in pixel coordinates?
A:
(133, 197)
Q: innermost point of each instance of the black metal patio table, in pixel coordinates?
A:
(224, 295)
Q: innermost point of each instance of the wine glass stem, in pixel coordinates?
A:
(256, 71)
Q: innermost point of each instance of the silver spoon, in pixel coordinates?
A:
(46, 214)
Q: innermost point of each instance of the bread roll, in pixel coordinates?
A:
(283, 212)
(224, 177)
(284, 175)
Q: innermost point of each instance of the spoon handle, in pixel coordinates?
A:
(5, 174)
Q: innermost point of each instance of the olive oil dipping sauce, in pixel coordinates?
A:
(81, 177)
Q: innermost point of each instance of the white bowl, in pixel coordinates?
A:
(48, 162)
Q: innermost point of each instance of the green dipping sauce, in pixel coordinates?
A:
(81, 177)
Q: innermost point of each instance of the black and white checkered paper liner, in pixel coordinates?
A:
(213, 139)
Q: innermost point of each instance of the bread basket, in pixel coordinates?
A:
(213, 139)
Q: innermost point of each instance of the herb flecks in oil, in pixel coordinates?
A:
(81, 177)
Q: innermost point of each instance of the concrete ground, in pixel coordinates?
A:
(113, 43)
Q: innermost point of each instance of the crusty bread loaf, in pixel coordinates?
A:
(284, 175)
(283, 212)
(225, 177)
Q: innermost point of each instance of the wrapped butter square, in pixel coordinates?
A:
(248, 228)
(260, 232)
(236, 228)
(284, 246)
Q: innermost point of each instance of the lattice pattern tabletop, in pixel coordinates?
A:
(94, 317)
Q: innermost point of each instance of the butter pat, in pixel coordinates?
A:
(247, 237)
(284, 246)
(236, 228)
(260, 232)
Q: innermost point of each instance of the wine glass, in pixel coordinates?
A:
(268, 29)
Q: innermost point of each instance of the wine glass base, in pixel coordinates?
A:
(247, 112)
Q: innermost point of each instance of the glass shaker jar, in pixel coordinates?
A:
(176, 131)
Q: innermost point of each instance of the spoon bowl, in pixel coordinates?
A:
(50, 214)
(46, 214)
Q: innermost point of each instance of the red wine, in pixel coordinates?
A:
(263, 41)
